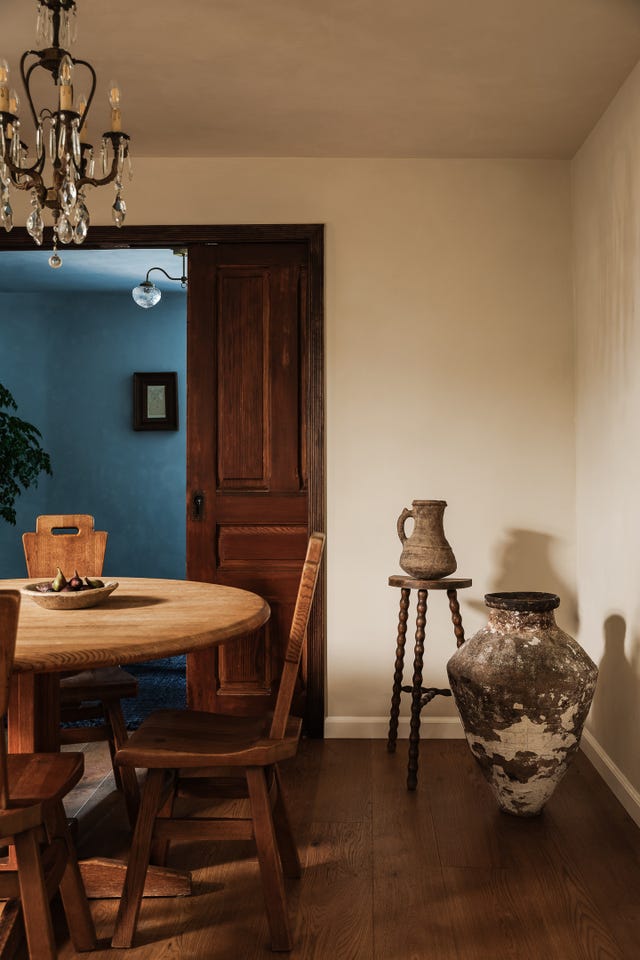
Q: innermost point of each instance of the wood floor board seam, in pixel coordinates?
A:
(390, 874)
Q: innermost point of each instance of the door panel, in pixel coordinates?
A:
(243, 399)
(247, 417)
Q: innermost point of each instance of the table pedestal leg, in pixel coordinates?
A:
(399, 667)
(416, 693)
(33, 719)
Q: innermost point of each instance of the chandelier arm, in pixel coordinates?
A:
(27, 76)
(35, 183)
(94, 80)
(102, 181)
(16, 172)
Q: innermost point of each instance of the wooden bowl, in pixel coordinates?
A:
(71, 600)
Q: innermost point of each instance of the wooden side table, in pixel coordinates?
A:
(420, 695)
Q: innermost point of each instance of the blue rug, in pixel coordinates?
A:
(161, 685)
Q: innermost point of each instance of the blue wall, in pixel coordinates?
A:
(69, 360)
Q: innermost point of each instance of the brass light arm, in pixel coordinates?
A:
(182, 279)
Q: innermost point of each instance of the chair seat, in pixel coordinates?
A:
(177, 739)
(105, 683)
(36, 777)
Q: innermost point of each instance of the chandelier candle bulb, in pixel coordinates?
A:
(66, 89)
(114, 101)
(4, 86)
(82, 108)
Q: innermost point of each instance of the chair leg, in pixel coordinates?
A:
(269, 859)
(126, 779)
(127, 919)
(160, 848)
(284, 835)
(33, 897)
(74, 897)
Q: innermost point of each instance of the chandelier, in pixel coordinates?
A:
(62, 153)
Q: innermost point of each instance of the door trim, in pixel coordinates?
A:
(101, 237)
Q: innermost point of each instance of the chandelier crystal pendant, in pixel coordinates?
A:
(62, 152)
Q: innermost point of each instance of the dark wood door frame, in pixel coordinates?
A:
(105, 238)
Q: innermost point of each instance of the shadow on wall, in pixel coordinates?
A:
(615, 714)
(524, 562)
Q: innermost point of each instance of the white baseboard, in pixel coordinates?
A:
(377, 728)
(612, 776)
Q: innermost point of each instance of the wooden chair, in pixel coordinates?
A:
(32, 786)
(187, 749)
(91, 694)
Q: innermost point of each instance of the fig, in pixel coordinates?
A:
(75, 583)
(59, 581)
(45, 587)
(93, 582)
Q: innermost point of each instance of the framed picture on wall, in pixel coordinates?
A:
(155, 401)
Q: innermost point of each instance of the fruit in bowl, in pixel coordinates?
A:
(60, 584)
(72, 594)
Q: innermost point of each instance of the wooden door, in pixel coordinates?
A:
(248, 514)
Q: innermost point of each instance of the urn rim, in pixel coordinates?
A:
(525, 601)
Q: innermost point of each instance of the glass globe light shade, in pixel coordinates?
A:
(146, 294)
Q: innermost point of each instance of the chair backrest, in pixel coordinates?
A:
(297, 634)
(68, 541)
(9, 611)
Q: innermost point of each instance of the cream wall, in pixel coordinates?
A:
(449, 374)
(606, 241)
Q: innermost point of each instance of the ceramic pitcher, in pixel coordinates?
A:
(426, 553)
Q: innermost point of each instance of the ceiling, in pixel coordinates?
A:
(337, 78)
(350, 78)
(101, 271)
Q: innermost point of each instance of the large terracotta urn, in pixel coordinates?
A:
(523, 688)
(426, 554)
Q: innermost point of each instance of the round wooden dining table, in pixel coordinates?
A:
(142, 619)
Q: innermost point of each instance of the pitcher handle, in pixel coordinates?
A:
(401, 522)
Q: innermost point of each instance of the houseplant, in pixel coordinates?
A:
(22, 459)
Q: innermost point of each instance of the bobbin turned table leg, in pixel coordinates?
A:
(416, 693)
(456, 618)
(405, 593)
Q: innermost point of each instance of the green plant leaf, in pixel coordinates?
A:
(22, 459)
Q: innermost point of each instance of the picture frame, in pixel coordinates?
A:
(155, 401)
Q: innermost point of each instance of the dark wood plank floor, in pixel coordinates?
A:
(439, 874)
